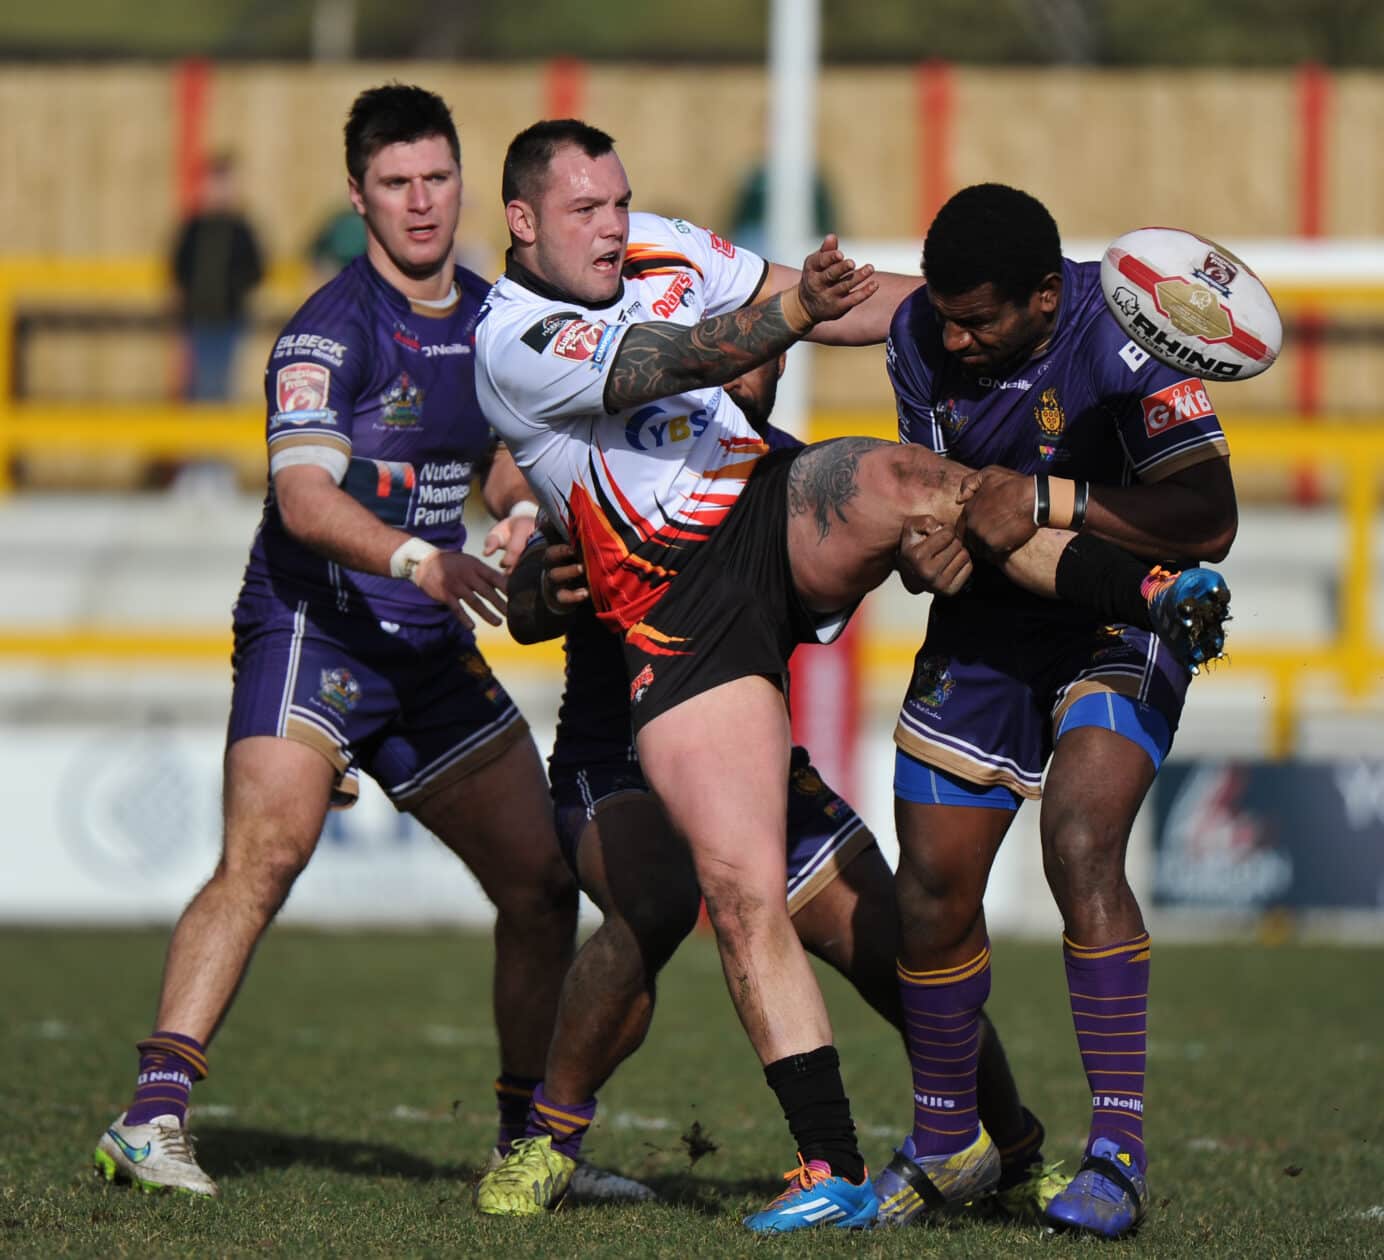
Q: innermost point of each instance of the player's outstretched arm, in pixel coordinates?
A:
(1190, 514)
(321, 515)
(660, 360)
(864, 325)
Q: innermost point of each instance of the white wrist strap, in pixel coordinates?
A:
(525, 507)
(408, 556)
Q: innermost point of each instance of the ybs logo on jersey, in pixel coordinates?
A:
(540, 334)
(339, 690)
(401, 405)
(578, 340)
(932, 682)
(1187, 400)
(651, 428)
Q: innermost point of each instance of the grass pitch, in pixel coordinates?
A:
(350, 1105)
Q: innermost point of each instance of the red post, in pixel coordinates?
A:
(564, 87)
(191, 100)
(935, 94)
(826, 707)
(1314, 99)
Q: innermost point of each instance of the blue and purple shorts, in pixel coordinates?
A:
(992, 691)
(415, 707)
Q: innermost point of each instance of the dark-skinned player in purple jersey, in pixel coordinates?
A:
(353, 635)
(1009, 361)
(840, 890)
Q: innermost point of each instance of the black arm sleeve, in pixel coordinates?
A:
(529, 618)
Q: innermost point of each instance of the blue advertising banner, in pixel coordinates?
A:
(1246, 835)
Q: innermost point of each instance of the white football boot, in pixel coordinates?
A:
(152, 1157)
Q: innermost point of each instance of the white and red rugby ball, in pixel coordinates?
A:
(1191, 304)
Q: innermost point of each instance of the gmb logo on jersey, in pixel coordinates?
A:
(1177, 404)
(651, 427)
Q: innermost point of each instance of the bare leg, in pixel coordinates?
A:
(498, 821)
(717, 793)
(275, 799)
(639, 873)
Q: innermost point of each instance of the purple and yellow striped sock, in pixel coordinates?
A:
(941, 1022)
(168, 1064)
(566, 1125)
(513, 1094)
(1109, 987)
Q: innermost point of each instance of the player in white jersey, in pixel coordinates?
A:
(714, 558)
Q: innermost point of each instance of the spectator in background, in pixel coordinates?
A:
(339, 240)
(216, 265)
(749, 216)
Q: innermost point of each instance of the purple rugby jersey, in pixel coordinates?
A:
(386, 388)
(1000, 667)
(1093, 406)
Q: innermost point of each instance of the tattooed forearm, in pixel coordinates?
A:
(822, 479)
(658, 360)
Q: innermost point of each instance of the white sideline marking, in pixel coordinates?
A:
(633, 1120)
(449, 1035)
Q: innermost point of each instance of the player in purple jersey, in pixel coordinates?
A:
(353, 644)
(840, 890)
(1009, 361)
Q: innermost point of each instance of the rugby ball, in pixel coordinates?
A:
(1191, 304)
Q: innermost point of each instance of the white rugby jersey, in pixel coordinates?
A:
(638, 488)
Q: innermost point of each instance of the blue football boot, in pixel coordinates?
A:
(817, 1197)
(1109, 1196)
(1189, 611)
(912, 1185)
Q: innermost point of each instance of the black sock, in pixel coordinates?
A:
(1095, 574)
(818, 1112)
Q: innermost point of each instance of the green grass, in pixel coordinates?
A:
(350, 1104)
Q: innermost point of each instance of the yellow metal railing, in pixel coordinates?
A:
(1352, 655)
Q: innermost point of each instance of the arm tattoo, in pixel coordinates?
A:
(658, 360)
(822, 479)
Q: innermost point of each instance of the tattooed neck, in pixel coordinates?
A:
(822, 480)
(658, 360)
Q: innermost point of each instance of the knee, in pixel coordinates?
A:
(936, 905)
(739, 915)
(259, 876)
(1082, 853)
(546, 891)
(660, 921)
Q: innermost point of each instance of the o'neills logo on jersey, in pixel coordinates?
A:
(667, 306)
(578, 340)
(1175, 405)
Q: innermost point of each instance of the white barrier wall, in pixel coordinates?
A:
(120, 824)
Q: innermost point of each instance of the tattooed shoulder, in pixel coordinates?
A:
(822, 480)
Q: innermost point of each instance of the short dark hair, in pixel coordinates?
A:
(991, 234)
(531, 151)
(397, 113)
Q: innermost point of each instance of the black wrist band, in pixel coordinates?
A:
(1042, 504)
(1083, 495)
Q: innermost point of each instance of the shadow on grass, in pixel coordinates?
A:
(238, 1152)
